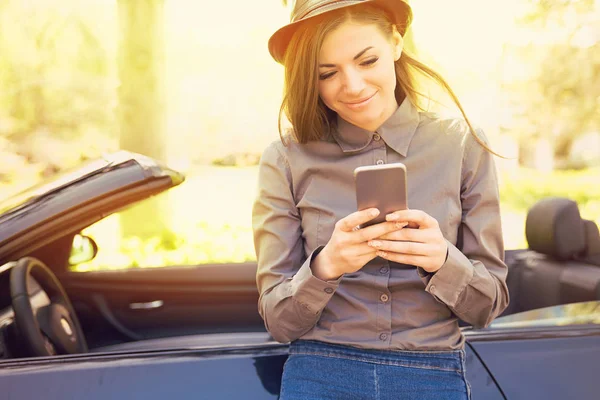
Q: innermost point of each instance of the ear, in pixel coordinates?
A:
(397, 43)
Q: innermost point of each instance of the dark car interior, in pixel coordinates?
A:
(51, 310)
(562, 265)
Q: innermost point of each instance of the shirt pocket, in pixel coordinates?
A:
(317, 214)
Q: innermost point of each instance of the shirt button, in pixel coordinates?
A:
(383, 336)
(431, 288)
(383, 270)
(377, 137)
(328, 290)
(384, 297)
(379, 162)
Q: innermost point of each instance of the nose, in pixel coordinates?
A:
(353, 82)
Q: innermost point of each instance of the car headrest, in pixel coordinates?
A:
(554, 227)
(592, 243)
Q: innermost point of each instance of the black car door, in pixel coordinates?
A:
(136, 304)
(550, 353)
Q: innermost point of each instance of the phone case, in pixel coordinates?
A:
(383, 187)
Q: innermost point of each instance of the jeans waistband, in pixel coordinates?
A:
(447, 360)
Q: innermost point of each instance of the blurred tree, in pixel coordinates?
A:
(54, 74)
(141, 62)
(555, 96)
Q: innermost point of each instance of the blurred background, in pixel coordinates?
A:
(192, 84)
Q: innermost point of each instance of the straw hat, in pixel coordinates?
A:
(398, 10)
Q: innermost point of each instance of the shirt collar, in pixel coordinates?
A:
(397, 131)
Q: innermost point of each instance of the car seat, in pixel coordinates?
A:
(562, 264)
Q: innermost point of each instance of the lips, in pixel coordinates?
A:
(360, 103)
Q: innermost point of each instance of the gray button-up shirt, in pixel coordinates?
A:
(304, 189)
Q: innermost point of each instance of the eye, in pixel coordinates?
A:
(326, 75)
(370, 61)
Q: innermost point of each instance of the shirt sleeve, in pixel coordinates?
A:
(472, 281)
(291, 298)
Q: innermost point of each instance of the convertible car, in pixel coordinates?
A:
(194, 331)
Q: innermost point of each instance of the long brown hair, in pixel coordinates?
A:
(310, 117)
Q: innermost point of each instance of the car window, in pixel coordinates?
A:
(562, 315)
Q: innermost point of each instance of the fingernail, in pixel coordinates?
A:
(375, 212)
(400, 225)
(375, 243)
(381, 253)
(391, 217)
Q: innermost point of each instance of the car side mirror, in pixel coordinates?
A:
(84, 249)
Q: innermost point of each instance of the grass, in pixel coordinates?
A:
(521, 189)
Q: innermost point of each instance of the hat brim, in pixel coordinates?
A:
(398, 10)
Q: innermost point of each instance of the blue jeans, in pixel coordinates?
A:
(317, 370)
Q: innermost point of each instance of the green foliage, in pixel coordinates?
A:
(554, 93)
(210, 244)
(56, 79)
(521, 191)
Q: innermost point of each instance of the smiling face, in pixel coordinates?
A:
(357, 78)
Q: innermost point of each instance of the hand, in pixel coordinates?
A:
(348, 251)
(423, 247)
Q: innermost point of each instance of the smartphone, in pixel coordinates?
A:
(383, 187)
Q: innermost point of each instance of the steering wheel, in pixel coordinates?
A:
(49, 329)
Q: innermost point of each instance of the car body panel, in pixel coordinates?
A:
(483, 385)
(550, 368)
(234, 371)
(540, 362)
(217, 374)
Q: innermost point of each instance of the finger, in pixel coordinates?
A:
(413, 248)
(364, 249)
(410, 235)
(357, 250)
(350, 222)
(417, 217)
(375, 231)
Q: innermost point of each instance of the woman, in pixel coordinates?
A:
(372, 312)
